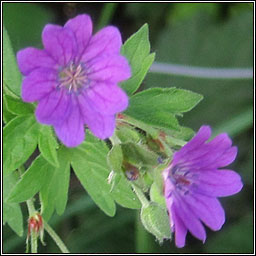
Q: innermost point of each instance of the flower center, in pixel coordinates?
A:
(181, 178)
(73, 78)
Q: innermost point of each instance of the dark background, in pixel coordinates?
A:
(197, 34)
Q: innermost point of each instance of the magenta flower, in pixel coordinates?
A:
(193, 183)
(74, 79)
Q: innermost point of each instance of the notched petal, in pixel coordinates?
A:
(81, 26)
(60, 43)
(107, 41)
(38, 84)
(31, 58)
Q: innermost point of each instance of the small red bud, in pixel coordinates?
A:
(35, 224)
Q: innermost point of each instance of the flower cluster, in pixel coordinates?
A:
(74, 79)
(193, 182)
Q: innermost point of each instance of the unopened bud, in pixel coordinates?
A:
(35, 226)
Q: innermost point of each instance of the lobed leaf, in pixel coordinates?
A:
(54, 193)
(12, 213)
(11, 74)
(137, 50)
(48, 145)
(19, 141)
(89, 162)
(18, 107)
(31, 181)
(158, 106)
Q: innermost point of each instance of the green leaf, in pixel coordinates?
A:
(138, 155)
(136, 49)
(89, 162)
(54, 193)
(12, 213)
(155, 220)
(19, 141)
(31, 181)
(123, 194)
(158, 106)
(7, 115)
(11, 74)
(17, 107)
(143, 126)
(47, 144)
(115, 158)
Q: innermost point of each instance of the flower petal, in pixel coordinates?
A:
(71, 131)
(111, 68)
(180, 231)
(38, 84)
(106, 41)
(102, 126)
(198, 140)
(54, 108)
(217, 183)
(60, 43)
(215, 154)
(31, 58)
(208, 209)
(191, 221)
(107, 99)
(81, 26)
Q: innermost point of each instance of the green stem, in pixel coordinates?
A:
(56, 238)
(144, 241)
(34, 244)
(106, 14)
(144, 201)
(31, 207)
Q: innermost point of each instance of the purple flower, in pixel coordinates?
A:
(193, 183)
(74, 79)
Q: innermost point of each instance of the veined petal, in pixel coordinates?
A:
(71, 131)
(31, 58)
(208, 209)
(217, 183)
(180, 230)
(60, 43)
(55, 108)
(190, 221)
(38, 84)
(110, 68)
(81, 26)
(107, 99)
(211, 150)
(102, 126)
(106, 41)
(199, 139)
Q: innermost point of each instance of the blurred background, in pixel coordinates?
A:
(213, 35)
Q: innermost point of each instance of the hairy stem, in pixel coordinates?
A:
(56, 238)
(144, 201)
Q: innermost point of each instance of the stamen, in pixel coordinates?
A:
(73, 78)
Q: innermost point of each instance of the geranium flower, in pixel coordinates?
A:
(193, 182)
(74, 79)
